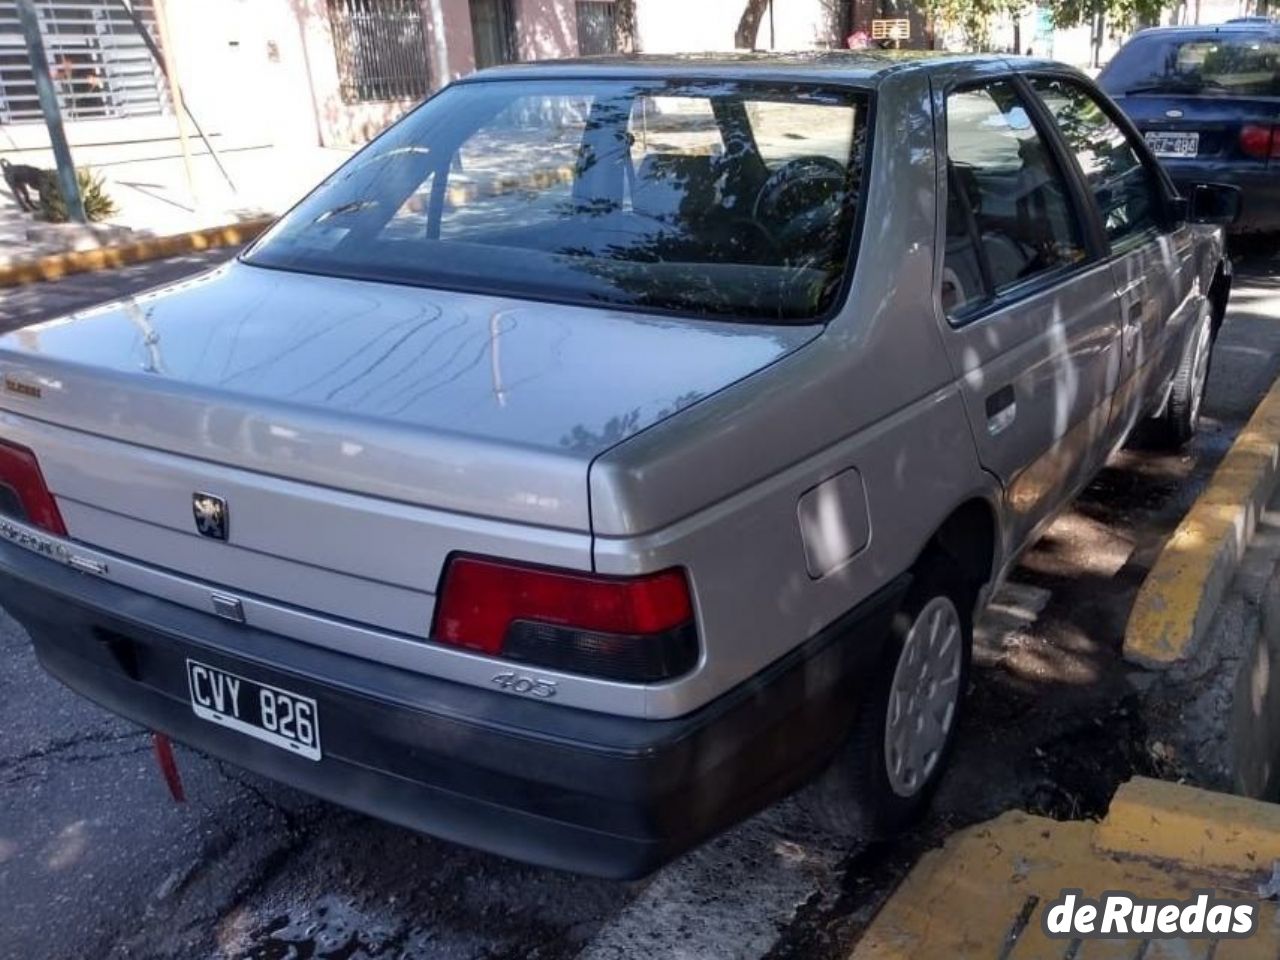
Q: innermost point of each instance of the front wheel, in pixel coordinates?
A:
(905, 727)
(1177, 425)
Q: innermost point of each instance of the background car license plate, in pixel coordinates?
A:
(1174, 144)
(267, 713)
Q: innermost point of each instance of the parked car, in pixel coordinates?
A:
(1208, 101)
(611, 446)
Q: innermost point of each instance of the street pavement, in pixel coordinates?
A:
(97, 861)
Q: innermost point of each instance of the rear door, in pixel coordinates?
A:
(1151, 259)
(1033, 329)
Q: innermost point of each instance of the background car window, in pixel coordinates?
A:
(1007, 193)
(1125, 190)
(1247, 66)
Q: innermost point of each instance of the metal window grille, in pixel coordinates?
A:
(493, 32)
(597, 27)
(100, 65)
(380, 48)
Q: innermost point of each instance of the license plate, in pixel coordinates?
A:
(1174, 144)
(283, 719)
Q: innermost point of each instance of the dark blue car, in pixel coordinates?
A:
(1207, 99)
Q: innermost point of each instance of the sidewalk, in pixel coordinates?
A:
(985, 893)
(154, 198)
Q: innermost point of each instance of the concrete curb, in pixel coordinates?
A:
(1177, 601)
(1197, 828)
(58, 265)
(985, 893)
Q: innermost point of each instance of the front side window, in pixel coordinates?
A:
(721, 199)
(1009, 212)
(1127, 193)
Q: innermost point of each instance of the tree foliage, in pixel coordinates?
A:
(1071, 13)
(975, 17)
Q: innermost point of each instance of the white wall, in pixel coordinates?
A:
(243, 69)
(688, 26)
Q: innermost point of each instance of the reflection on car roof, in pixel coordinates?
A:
(838, 64)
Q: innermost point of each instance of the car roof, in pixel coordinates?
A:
(1191, 30)
(857, 65)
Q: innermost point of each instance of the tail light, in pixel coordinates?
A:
(1259, 141)
(637, 629)
(23, 494)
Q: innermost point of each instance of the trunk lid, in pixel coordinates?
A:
(1217, 119)
(358, 432)
(468, 403)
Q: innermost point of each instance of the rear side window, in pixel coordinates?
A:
(1127, 193)
(1237, 65)
(724, 199)
(1009, 212)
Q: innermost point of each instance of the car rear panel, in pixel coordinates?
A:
(1166, 93)
(1217, 120)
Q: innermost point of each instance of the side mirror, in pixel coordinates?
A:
(1214, 203)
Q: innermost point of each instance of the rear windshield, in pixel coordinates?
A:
(1247, 66)
(726, 199)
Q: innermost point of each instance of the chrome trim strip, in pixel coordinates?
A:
(408, 653)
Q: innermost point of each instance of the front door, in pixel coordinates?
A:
(1034, 330)
(493, 32)
(1155, 276)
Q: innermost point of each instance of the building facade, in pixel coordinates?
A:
(335, 72)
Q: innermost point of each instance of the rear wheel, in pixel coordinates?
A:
(1181, 416)
(905, 727)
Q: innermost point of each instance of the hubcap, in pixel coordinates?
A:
(1200, 371)
(923, 698)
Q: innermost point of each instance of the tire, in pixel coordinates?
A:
(866, 791)
(1177, 425)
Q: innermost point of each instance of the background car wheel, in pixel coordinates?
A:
(1182, 413)
(905, 727)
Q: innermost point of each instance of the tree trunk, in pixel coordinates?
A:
(625, 24)
(749, 24)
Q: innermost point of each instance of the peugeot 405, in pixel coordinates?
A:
(612, 447)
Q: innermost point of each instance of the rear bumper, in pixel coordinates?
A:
(1259, 190)
(555, 786)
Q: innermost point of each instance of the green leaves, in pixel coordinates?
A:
(975, 17)
(98, 204)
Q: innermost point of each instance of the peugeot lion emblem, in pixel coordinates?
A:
(211, 515)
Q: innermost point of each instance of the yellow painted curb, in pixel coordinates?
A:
(138, 251)
(985, 893)
(1178, 599)
(1168, 821)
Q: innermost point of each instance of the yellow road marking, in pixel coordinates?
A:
(60, 265)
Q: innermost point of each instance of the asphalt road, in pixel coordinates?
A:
(96, 861)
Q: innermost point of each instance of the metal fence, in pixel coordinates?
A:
(100, 65)
(597, 26)
(381, 49)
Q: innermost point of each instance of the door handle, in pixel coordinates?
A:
(1002, 408)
